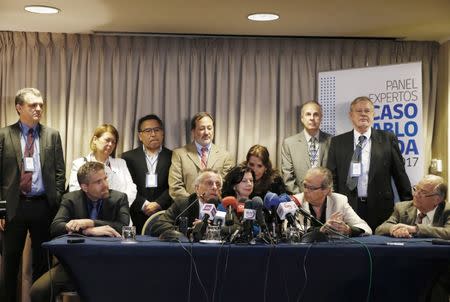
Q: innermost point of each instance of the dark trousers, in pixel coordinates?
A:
(49, 285)
(33, 215)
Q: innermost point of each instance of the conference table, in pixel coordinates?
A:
(375, 268)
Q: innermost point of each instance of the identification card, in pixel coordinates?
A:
(356, 169)
(28, 164)
(151, 180)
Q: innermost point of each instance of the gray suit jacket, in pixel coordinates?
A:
(186, 166)
(406, 213)
(295, 159)
(52, 166)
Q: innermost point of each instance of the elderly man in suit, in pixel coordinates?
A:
(149, 167)
(32, 179)
(363, 161)
(189, 160)
(427, 215)
(331, 209)
(95, 210)
(306, 149)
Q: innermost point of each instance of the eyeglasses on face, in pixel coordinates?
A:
(421, 192)
(155, 130)
(310, 188)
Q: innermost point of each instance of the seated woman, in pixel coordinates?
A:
(266, 178)
(239, 183)
(103, 145)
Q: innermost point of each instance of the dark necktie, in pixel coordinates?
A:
(352, 182)
(26, 177)
(312, 151)
(204, 158)
(94, 211)
(420, 217)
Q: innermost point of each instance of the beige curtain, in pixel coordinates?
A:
(253, 86)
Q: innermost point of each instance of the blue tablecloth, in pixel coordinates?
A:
(106, 269)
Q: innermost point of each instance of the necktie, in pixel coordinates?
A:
(420, 217)
(26, 177)
(313, 151)
(204, 158)
(94, 211)
(352, 182)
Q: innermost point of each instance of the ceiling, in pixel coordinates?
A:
(402, 19)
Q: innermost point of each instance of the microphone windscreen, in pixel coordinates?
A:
(285, 198)
(257, 202)
(214, 201)
(248, 204)
(271, 200)
(230, 201)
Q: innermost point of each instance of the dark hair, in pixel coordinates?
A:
(265, 182)
(22, 94)
(234, 177)
(85, 171)
(198, 117)
(99, 132)
(147, 118)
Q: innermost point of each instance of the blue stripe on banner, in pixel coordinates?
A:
(327, 98)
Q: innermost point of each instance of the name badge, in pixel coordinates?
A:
(356, 169)
(28, 164)
(151, 180)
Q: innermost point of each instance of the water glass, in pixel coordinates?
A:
(129, 233)
(213, 233)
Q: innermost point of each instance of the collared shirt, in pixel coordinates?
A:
(200, 207)
(90, 205)
(37, 183)
(428, 219)
(199, 149)
(151, 159)
(363, 179)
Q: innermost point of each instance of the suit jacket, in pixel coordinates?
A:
(405, 212)
(295, 158)
(386, 161)
(189, 207)
(52, 166)
(137, 165)
(186, 167)
(114, 211)
(336, 203)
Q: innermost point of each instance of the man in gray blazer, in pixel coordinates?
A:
(306, 149)
(427, 215)
(95, 210)
(194, 157)
(32, 177)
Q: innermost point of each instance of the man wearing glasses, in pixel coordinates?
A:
(208, 188)
(427, 215)
(363, 162)
(331, 209)
(149, 166)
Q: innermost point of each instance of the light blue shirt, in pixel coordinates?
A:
(199, 149)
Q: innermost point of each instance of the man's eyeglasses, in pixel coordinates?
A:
(155, 130)
(419, 191)
(310, 188)
(210, 183)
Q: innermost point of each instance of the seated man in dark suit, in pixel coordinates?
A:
(208, 186)
(427, 215)
(95, 210)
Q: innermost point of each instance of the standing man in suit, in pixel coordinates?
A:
(149, 167)
(32, 179)
(190, 159)
(363, 161)
(95, 210)
(306, 149)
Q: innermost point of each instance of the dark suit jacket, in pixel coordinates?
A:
(114, 211)
(386, 161)
(167, 221)
(405, 212)
(137, 166)
(52, 166)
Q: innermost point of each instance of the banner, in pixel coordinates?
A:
(396, 91)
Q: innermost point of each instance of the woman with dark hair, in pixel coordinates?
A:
(239, 183)
(266, 178)
(103, 145)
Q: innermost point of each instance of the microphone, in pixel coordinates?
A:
(271, 202)
(258, 205)
(240, 207)
(219, 219)
(207, 212)
(229, 203)
(287, 210)
(248, 218)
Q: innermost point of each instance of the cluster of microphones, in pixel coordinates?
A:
(247, 221)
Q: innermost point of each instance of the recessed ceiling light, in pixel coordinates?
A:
(263, 17)
(42, 9)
